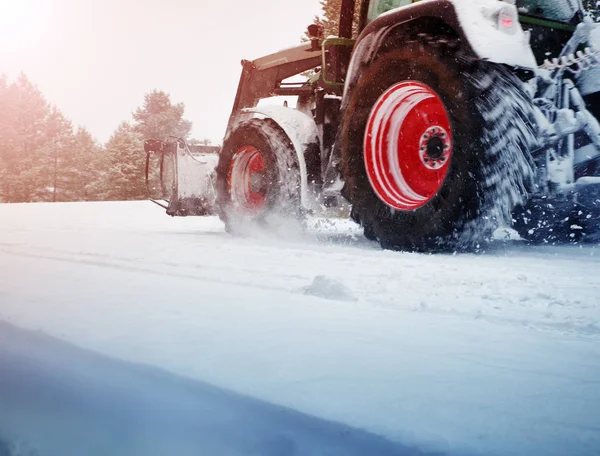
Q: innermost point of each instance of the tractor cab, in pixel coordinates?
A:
(550, 23)
(564, 11)
(354, 16)
(378, 7)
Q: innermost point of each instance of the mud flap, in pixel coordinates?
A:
(186, 174)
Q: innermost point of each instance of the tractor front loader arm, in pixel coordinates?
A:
(264, 77)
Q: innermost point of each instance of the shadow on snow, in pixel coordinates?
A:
(57, 399)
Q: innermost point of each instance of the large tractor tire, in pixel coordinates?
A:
(258, 178)
(435, 148)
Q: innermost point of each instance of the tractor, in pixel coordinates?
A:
(436, 121)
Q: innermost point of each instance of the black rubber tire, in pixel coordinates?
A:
(490, 166)
(283, 176)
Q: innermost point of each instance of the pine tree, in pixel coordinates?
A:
(81, 170)
(24, 163)
(7, 139)
(41, 158)
(158, 117)
(126, 165)
(58, 145)
(330, 18)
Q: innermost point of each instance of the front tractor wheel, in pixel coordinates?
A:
(435, 148)
(258, 178)
(247, 180)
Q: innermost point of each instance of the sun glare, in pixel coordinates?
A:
(22, 22)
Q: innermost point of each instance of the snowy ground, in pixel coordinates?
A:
(497, 353)
(60, 400)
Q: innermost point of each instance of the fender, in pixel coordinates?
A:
(302, 131)
(475, 22)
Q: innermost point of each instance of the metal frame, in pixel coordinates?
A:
(262, 78)
(347, 18)
(334, 41)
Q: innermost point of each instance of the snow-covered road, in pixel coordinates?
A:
(497, 353)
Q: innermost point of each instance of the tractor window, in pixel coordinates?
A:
(378, 7)
(561, 10)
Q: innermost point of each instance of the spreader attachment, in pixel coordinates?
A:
(186, 175)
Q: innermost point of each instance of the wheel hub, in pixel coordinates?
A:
(407, 145)
(257, 183)
(248, 184)
(434, 147)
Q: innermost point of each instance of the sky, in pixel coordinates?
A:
(95, 59)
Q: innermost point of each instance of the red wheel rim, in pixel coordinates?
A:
(407, 145)
(247, 180)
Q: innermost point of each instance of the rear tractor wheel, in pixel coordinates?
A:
(434, 149)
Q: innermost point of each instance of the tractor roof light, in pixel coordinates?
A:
(508, 20)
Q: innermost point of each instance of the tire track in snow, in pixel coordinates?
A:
(265, 276)
(141, 269)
